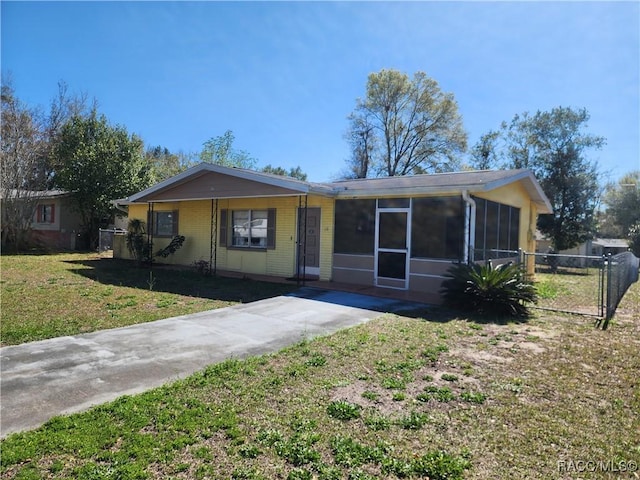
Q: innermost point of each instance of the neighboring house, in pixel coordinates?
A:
(55, 223)
(591, 248)
(395, 232)
(605, 246)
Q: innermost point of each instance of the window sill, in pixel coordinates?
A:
(247, 249)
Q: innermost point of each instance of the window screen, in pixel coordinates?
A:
(355, 222)
(437, 227)
(497, 229)
(392, 230)
(392, 265)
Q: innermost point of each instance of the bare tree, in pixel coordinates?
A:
(28, 167)
(23, 147)
(362, 141)
(64, 106)
(405, 126)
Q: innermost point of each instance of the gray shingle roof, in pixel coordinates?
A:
(454, 183)
(441, 183)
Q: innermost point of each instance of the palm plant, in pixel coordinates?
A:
(502, 291)
(137, 244)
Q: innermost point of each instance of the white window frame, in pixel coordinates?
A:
(253, 231)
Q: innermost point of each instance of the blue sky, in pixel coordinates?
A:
(283, 76)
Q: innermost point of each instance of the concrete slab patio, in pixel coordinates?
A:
(64, 375)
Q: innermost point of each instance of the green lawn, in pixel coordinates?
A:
(434, 397)
(576, 293)
(45, 296)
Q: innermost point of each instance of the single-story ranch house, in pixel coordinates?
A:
(395, 232)
(55, 223)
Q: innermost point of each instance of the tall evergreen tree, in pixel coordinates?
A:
(554, 145)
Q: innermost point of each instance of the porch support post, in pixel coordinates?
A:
(150, 225)
(213, 249)
(304, 249)
(298, 246)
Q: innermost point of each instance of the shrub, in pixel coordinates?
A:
(136, 240)
(202, 267)
(501, 291)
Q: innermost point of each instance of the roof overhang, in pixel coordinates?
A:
(530, 184)
(410, 186)
(208, 181)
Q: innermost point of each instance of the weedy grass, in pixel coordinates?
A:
(577, 293)
(52, 295)
(549, 392)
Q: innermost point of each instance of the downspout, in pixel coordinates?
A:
(469, 227)
(116, 205)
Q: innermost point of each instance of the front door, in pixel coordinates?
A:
(309, 242)
(392, 252)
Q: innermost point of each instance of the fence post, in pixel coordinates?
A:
(609, 293)
(601, 297)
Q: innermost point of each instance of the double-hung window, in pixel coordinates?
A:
(249, 228)
(45, 213)
(165, 223)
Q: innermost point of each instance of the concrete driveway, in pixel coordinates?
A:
(69, 374)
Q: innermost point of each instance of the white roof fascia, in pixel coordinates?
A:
(390, 192)
(526, 176)
(531, 185)
(175, 200)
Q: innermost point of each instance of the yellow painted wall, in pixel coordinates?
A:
(194, 222)
(326, 236)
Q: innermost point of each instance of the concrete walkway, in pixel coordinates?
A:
(63, 375)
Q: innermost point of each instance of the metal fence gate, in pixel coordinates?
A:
(585, 273)
(603, 280)
(106, 238)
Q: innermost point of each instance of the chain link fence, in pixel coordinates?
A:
(622, 271)
(602, 281)
(569, 283)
